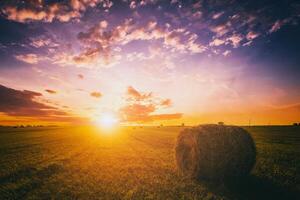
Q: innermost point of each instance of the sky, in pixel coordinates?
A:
(150, 61)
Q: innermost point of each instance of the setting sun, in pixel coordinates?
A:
(149, 99)
(107, 120)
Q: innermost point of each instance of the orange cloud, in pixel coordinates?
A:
(96, 94)
(141, 107)
(137, 112)
(143, 113)
(166, 102)
(136, 95)
(50, 91)
(89, 56)
(47, 15)
(38, 10)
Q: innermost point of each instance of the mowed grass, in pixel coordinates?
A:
(134, 163)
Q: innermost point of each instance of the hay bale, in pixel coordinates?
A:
(215, 152)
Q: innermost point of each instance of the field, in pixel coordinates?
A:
(134, 163)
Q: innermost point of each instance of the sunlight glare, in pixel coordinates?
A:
(108, 120)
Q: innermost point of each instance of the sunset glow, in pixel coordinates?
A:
(149, 62)
(107, 121)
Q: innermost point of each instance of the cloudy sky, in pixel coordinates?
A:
(150, 61)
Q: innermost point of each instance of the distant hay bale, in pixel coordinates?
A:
(215, 152)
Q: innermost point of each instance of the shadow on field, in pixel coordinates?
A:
(252, 187)
(18, 184)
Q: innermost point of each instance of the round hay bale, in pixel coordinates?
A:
(215, 152)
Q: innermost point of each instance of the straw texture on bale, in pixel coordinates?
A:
(215, 152)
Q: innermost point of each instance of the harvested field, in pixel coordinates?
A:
(84, 163)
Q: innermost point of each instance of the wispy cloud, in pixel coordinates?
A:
(278, 24)
(51, 91)
(99, 40)
(28, 58)
(43, 42)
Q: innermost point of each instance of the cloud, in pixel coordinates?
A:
(25, 103)
(28, 58)
(80, 76)
(42, 42)
(238, 22)
(235, 40)
(174, 1)
(278, 24)
(142, 107)
(99, 41)
(144, 113)
(88, 56)
(226, 53)
(38, 10)
(166, 102)
(217, 15)
(91, 58)
(103, 24)
(137, 112)
(132, 5)
(134, 56)
(252, 35)
(96, 94)
(221, 29)
(135, 95)
(216, 42)
(51, 91)
(46, 15)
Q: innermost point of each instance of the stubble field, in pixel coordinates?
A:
(134, 163)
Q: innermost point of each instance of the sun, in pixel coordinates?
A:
(107, 120)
